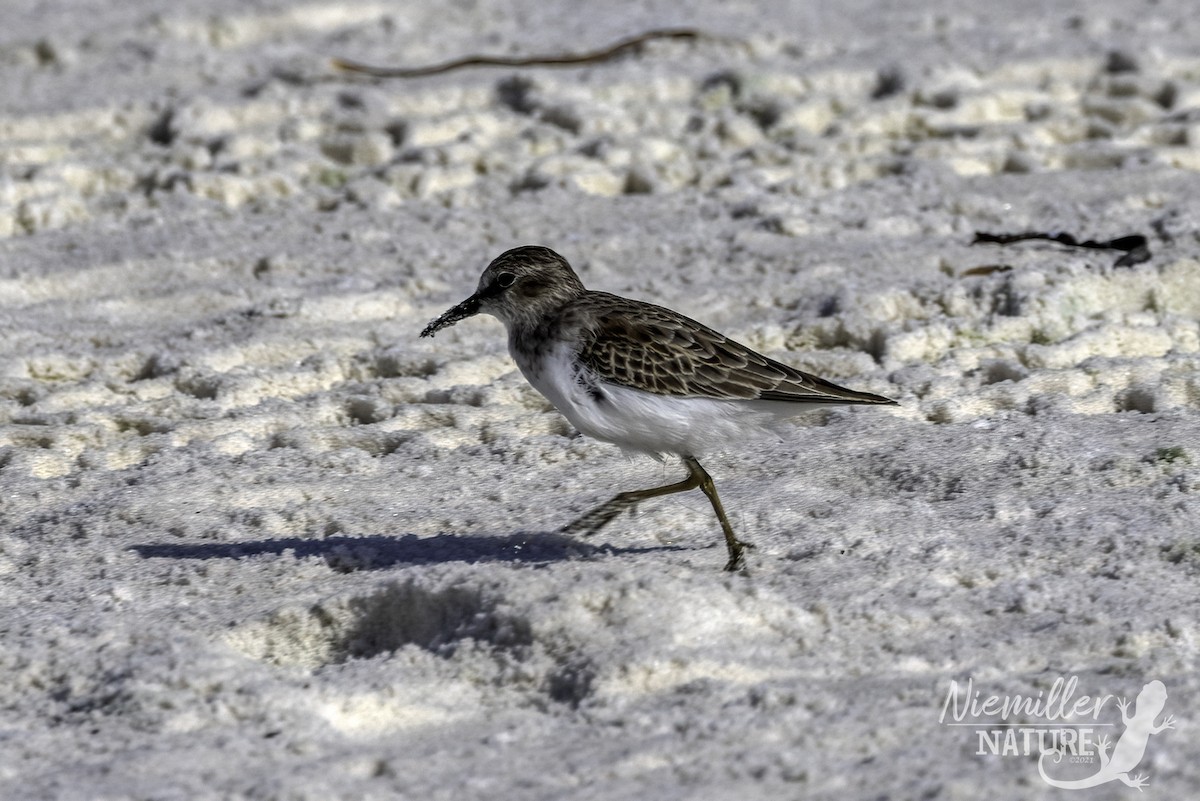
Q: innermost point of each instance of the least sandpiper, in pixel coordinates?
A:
(637, 375)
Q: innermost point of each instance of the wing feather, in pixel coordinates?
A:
(654, 349)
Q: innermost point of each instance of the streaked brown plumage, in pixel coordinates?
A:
(655, 349)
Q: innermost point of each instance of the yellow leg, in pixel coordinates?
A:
(704, 480)
(592, 521)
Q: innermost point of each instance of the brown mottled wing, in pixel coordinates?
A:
(654, 349)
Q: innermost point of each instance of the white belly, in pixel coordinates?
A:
(642, 421)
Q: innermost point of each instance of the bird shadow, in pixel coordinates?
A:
(349, 554)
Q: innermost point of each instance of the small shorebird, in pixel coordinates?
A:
(637, 375)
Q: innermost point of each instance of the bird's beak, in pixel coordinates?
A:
(468, 308)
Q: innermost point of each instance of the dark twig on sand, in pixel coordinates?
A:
(1135, 246)
(551, 60)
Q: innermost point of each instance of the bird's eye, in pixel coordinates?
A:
(505, 280)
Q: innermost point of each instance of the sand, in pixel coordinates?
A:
(259, 541)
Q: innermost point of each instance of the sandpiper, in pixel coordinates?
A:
(637, 375)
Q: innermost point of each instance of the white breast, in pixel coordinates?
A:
(641, 421)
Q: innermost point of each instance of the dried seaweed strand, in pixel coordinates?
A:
(1135, 246)
(552, 60)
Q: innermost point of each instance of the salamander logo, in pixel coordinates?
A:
(1072, 755)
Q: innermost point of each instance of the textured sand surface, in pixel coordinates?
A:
(258, 540)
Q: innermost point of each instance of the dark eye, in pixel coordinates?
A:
(505, 280)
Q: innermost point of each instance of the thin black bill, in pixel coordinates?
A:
(462, 311)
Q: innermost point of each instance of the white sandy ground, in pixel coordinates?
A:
(259, 541)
